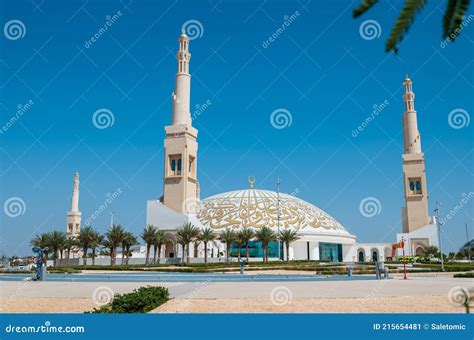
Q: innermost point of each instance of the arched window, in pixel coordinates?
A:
(375, 255)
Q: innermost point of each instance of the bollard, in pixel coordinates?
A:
(349, 271)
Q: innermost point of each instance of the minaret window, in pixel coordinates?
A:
(414, 186)
(192, 167)
(174, 165)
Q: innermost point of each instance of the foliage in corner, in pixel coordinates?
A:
(452, 19)
(363, 7)
(141, 300)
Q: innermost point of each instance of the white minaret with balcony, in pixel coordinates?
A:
(180, 164)
(74, 215)
(415, 212)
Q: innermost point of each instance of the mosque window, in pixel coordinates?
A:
(174, 165)
(415, 186)
(192, 167)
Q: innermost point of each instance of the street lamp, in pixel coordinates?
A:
(278, 218)
(439, 224)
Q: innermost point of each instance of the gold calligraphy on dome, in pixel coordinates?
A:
(257, 209)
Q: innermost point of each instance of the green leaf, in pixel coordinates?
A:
(458, 16)
(448, 17)
(403, 23)
(363, 7)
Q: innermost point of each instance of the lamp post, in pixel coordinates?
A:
(278, 218)
(439, 224)
(404, 260)
(468, 244)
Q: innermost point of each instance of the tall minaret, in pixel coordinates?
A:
(415, 212)
(180, 168)
(74, 215)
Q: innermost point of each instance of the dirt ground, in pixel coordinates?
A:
(401, 304)
(404, 304)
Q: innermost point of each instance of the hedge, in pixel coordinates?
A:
(141, 300)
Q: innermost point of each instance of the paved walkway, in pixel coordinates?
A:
(24, 296)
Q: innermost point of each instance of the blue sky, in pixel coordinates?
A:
(320, 69)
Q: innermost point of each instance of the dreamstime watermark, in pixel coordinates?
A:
(191, 205)
(372, 294)
(14, 30)
(287, 21)
(457, 31)
(458, 119)
(377, 109)
(281, 296)
(109, 198)
(46, 328)
(200, 108)
(370, 30)
(110, 20)
(14, 207)
(370, 207)
(103, 118)
(21, 109)
(102, 295)
(193, 29)
(458, 296)
(458, 207)
(281, 118)
(295, 192)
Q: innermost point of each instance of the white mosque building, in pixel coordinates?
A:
(322, 237)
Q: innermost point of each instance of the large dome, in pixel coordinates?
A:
(254, 208)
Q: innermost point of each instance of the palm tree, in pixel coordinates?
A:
(128, 241)
(265, 235)
(114, 237)
(187, 233)
(206, 236)
(287, 237)
(84, 239)
(148, 236)
(430, 251)
(161, 239)
(227, 237)
(97, 240)
(182, 242)
(247, 236)
(240, 240)
(41, 241)
(452, 19)
(55, 241)
(69, 243)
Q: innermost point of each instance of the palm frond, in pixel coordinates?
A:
(364, 6)
(403, 23)
(448, 17)
(455, 19)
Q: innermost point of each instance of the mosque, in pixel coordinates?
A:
(322, 237)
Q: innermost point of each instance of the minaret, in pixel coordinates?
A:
(415, 212)
(180, 166)
(74, 215)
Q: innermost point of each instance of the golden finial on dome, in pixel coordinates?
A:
(251, 180)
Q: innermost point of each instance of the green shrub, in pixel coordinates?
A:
(468, 274)
(141, 300)
(61, 270)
